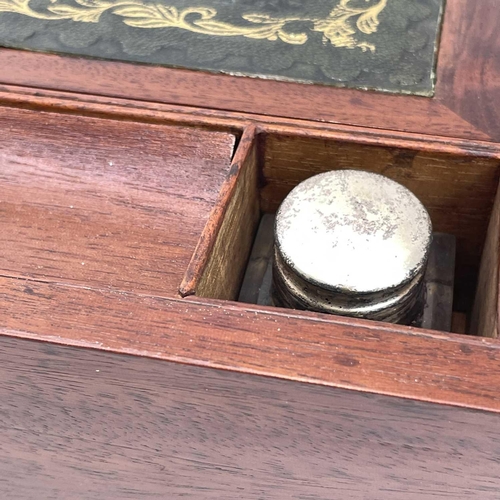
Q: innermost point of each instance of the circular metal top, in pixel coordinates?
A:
(353, 231)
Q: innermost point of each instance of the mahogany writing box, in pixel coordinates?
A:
(132, 182)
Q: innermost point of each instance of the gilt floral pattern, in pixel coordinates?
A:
(385, 44)
(338, 28)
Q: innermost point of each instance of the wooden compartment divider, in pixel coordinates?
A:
(218, 263)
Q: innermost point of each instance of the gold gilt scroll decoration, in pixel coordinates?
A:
(339, 28)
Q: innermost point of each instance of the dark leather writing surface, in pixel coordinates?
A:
(387, 45)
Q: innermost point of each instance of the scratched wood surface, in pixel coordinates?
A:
(341, 352)
(105, 203)
(465, 106)
(80, 424)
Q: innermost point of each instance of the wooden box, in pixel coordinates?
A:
(129, 199)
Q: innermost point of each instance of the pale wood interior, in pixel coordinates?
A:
(224, 271)
(218, 270)
(485, 312)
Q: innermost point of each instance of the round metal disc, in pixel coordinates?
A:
(353, 231)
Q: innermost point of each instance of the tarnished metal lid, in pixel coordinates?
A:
(353, 232)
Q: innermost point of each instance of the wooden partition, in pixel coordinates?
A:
(218, 263)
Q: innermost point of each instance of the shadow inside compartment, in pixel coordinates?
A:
(437, 312)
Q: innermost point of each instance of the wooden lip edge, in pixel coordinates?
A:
(234, 122)
(188, 81)
(243, 363)
(315, 317)
(375, 137)
(310, 316)
(211, 230)
(84, 344)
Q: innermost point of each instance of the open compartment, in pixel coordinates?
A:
(457, 187)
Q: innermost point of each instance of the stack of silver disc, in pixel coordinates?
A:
(352, 243)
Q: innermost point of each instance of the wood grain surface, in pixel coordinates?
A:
(466, 103)
(81, 424)
(103, 199)
(485, 314)
(341, 352)
(103, 203)
(90, 241)
(469, 64)
(218, 263)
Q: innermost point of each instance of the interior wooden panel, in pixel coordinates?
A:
(105, 203)
(486, 305)
(218, 264)
(457, 190)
